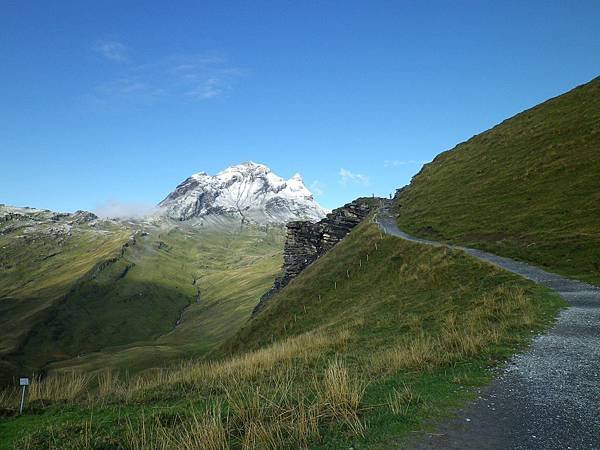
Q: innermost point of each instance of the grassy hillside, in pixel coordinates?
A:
(39, 269)
(368, 342)
(528, 188)
(90, 297)
(231, 270)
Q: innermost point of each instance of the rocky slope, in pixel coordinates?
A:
(247, 192)
(12, 218)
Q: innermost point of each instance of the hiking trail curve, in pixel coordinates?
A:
(545, 398)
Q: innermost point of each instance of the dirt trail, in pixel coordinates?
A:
(546, 398)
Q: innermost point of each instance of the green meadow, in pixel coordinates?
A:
(362, 348)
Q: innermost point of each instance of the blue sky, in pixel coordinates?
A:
(122, 100)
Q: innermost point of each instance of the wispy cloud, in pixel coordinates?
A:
(316, 187)
(191, 77)
(388, 163)
(346, 176)
(111, 50)
(213, 87)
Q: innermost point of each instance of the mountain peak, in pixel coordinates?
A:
(248, 166)
(249, 191)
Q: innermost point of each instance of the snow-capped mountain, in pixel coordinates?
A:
(249, 192)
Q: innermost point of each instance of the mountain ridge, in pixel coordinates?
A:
(250, 192)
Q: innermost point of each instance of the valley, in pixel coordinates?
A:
(242, 314)
(146, 293)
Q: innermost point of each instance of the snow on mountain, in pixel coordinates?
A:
(249, 192)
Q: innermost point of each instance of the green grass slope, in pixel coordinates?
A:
(39, 269)
(231, 270)
(384, 290)
(528, 188)
(368, 342)
(88, 297)
(421, 325)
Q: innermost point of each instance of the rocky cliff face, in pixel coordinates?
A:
(248, 192)
(306, 241)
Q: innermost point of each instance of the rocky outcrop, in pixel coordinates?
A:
(80, 217)
(14, 218)
(307, 241)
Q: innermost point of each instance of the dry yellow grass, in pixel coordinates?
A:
(146, 436)
(207, 432)
(272, 414)
(234, 371)
(204, 431)
(204, 375)
(266, 408)
(341, 395)
(9, 399)
(486, 323)
(425, 352)
(67, 387)
(108, 381)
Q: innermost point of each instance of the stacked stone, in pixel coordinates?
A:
(307, 241)
(302, 246)
(342, 220)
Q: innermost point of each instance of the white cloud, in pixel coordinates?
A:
(192, 77)
(112, 50)
(347, 176)
(316, 187)
(115, 209)
(397, 162)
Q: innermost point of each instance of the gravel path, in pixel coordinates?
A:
(546, 398)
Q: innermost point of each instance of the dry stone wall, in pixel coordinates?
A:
(307, 241)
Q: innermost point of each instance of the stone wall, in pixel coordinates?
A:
(307, 241)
